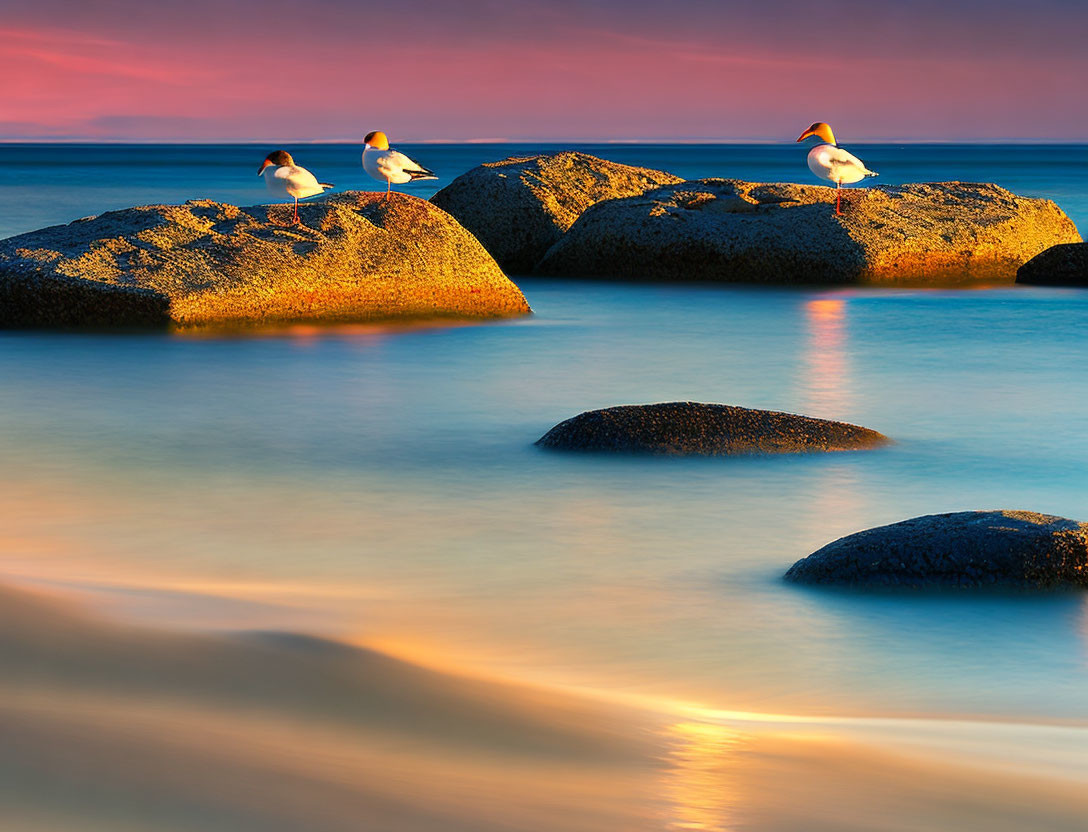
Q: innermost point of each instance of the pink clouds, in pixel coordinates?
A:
(59, 81)
(564, 70)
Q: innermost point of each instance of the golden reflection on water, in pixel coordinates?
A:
(827, 393)
(827, 371)
(362, 332)
(1083, 631)
(701, 780)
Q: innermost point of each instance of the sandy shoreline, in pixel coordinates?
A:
(140, 728)
(110, 726)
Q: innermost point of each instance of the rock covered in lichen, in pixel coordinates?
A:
(519, 207)
(734, 231)
(355, 257)
(693, 428)
(1064, 265)
(963, 550)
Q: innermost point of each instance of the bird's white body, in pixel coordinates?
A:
(292, 180)
(836, 165)
(392, 166)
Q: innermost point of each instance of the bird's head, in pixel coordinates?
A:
(277, 158)
(376, 140)
(821, 131)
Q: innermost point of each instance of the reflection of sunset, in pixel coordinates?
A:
(828, 308)
(700, 781)
(826, 382)
(827, 393)
(1084, 627)
(361, 332)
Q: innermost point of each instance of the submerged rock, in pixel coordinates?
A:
(522, 205)
(355, 257)
(966, 549)
(1064, 265)
(691, 428)
(734, 231)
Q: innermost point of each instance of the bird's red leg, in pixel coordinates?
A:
(388, 188)
(295, 220)
(838, 198)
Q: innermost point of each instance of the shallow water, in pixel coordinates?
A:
(401, 463)
(380, 485)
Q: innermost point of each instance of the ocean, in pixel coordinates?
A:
(379, 486)
(50, 184)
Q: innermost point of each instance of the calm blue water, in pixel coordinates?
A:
(49, 184)
(383, 483)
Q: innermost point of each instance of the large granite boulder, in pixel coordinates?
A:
(522, 205)
(1064, 265)
(355, 257)
(691, 428)
(966, 549)
(734, 231)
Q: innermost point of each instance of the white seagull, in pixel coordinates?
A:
(831, 162)
(390, 166)
(284, 177)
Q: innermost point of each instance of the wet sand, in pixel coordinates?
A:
(112, 727)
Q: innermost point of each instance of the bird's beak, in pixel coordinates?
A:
(820, 131)
(264, 164)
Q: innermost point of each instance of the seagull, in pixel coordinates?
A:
(390, 166)
(831, 162)
(284, 177)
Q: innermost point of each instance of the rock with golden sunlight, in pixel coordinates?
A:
(353, 257)
(732, 231)
(520, 206)
(695, 429)
(962, 550)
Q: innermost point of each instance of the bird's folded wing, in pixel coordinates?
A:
(398, 163)
(837, 157)
(302, 178)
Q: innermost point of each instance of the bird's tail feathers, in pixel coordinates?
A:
(330, 185)
(871, 173)
(422, 173)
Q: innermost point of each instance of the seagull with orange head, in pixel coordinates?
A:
(284, 178)
(390, 166)
(829, 161)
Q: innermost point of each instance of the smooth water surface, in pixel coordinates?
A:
(383, 484)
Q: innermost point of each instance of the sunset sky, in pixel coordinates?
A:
(543, 69)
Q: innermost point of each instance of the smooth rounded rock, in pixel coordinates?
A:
(1064, 265)
(692, 428)
(733, 231)
(519, 207)
(355, 257)
(963, 550)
